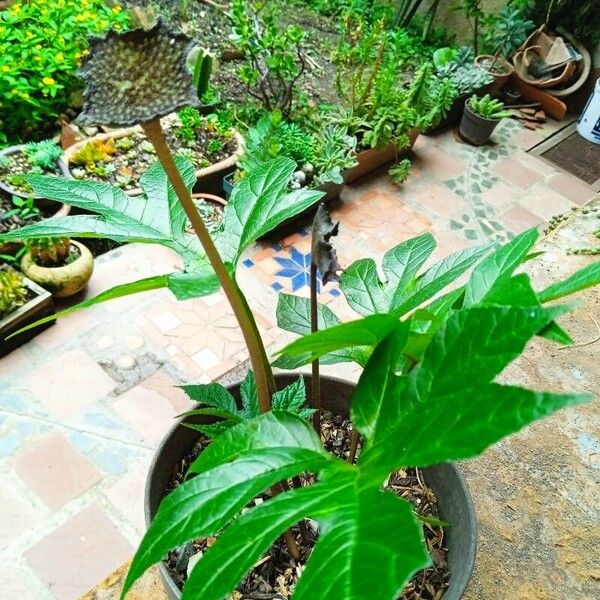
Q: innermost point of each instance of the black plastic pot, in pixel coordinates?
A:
(228, 185)
(454, 500)
(476, 129)
(455, 112)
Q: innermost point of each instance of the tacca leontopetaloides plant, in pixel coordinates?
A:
(427, 393)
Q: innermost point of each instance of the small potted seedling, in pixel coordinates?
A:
(22, 303)
(480, 118)
(60, 265)
(35, 157)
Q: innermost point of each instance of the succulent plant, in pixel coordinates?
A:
(93, 152)
(42, 154)
(13, 292)
(49, 251)
(136, 76)
(488, 107)
(203, 62)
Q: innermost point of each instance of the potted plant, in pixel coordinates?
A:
(480, 118)
(323, 155)
(34, 157)
(455, 68)
(22, 303)
(259, 465)
(119, 157)
(16, 212)
(382, 112)
(58, 264)
(505, 34)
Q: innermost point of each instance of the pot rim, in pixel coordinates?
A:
(453, 471)
(511, 69)
(13, 191)
(472, 112)
(226, 163)
(84, 255)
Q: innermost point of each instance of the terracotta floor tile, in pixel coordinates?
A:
(518, 219)
(441, 201)
(572, 188)
(66, 329)
(55, 470)
(69, 383)
(147, 412)
(442, 164)
(79, 554)
(544, 202)
(16, 514)
(513, 171)
(527, 139)
(127, 496)
(162, 383)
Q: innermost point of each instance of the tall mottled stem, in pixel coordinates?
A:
(315, 386)
(262, 369)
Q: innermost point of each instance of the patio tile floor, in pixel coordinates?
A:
(83, 405)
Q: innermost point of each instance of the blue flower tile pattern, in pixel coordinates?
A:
(296, 268)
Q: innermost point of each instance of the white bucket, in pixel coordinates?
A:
(588, 125)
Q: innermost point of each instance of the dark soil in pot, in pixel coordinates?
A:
(135, 155)
(452, 569)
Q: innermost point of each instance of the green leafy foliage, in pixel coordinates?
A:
(43, 154)
(428, 413)
(488, 107)
(12, 291)
(259, 204)
(41, 46)
(275, 59)
(400, 172)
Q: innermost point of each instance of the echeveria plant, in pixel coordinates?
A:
(431, 351)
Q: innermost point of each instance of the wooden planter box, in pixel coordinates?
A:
(373, 159)
(38, 307)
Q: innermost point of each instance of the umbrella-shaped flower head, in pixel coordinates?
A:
(136, 76)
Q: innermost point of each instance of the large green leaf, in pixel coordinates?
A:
(498, 266)
(363, 332)
(293, 314)
(585, 278)
(258, 204)
(360, 282)
(462, 423)
(436, 278)
(365, 536)
(199, 508)
(453, 385)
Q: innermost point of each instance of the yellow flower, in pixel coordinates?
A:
(38, 46)
(29, 34)
(117, 9)
(103, 23)
(14, 92)
(5, 68)
(78, 55)
(59, 57)
(38, 58)
(48, 81)
(25, 95)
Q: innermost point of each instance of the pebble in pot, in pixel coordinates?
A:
(60, 265)
(480, 118)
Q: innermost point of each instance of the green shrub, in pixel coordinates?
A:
(41, 45)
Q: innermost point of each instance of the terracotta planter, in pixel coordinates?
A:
(39, 306)
(499, 78)
(454, 501)
(11, 191)
(374, 158)
(476, 129)
(212, 171)
(61, 282)
(13, 247)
